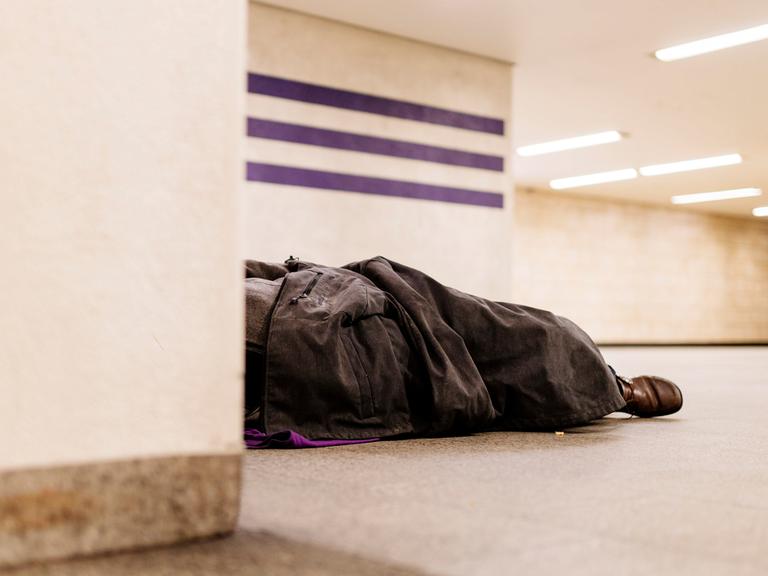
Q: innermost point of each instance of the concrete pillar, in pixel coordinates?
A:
(120, 348)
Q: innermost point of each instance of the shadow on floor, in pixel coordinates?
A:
(243, 553)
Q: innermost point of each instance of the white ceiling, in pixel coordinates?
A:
(586, 66)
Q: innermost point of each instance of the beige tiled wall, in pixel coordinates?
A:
(335, 227)
(631, 273)
(119, 199)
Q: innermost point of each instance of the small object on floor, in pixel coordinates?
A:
(649, 396)
(558, 433)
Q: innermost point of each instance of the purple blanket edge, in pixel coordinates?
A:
(255, 439)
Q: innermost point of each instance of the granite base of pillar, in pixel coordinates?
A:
(62, 512)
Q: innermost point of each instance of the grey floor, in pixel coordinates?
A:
(685, 494)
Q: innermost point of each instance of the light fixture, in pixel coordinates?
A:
(570, 143)
(760, 211)
(713, 196)
(713, 43)
(687, 165)
(587, 179)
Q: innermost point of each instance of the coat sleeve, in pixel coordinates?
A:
(459, 398)
(540, 370)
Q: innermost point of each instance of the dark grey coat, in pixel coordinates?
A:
(377, 349)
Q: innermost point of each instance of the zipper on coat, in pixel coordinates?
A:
(307, 289)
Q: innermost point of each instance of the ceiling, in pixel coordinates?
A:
(584, 66)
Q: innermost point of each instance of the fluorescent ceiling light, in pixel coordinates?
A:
(713, 43)
(599, 178)
(570, 143)
(761, 211)
(712, 196)
(687, 165)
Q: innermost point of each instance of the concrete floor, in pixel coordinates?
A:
(685, 494)
(244, 554)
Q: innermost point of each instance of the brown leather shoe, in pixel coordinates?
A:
(649, 396)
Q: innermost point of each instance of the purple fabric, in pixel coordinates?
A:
(275, 174)
(287, 132)
(255, 438)
(327, 96)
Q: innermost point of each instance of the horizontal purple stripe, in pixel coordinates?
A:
(257, 172)
(255, 438)
(286, 132)
(316, 94)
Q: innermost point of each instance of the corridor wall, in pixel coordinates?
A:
(630, 273)
(362, 144)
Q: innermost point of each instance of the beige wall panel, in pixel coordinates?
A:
(632, 273)
(462, 245)
(120, 164)
(311, 49)
(404, 231)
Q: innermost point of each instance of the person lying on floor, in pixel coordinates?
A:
(376, 349)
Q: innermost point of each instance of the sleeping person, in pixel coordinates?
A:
(376, 349)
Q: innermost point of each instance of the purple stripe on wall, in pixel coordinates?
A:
(316, 94)
(257, 172)
(286, 132)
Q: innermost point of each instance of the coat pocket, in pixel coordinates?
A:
(307, 289)
(357, 356)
